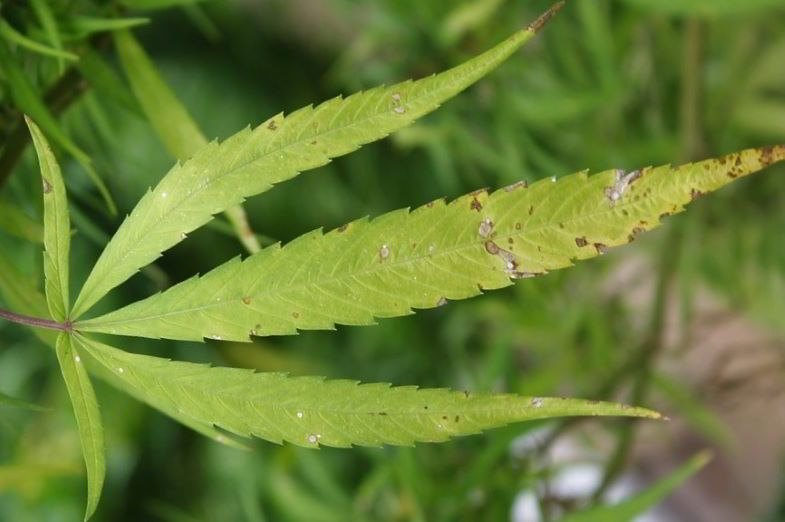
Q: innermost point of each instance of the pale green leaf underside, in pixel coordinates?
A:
(420, 259)
(312, 412)
(88, 418)
(222, 175)
(640, 503)
(57, 227)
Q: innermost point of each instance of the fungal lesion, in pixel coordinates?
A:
(622, 181)
(397, 104)
(511, 264)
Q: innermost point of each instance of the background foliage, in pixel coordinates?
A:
(609, 84)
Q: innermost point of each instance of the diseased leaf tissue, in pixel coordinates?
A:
(353, 275)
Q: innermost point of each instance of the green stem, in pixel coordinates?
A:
(36, 321)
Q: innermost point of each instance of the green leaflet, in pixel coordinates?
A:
(312, 412)
(88, 418)
(420, 259)
(638, 504)
(222, 175)
(170, 119)
(57, 227)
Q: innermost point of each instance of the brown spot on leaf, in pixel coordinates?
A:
(635, 233)
(531, 209)
(272, 125)
(581, 241)
(343, 228)
(695, 194)
(46, 186)
(475, 204)
(247, 300)
(296, 315)
(664, 215)
(517, 226)
(492, 247)
(601, 248)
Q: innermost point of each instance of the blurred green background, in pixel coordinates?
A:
(608, 84)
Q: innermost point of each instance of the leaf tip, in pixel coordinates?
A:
(545, 17)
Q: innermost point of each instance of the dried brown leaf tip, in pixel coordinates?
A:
(540, 22)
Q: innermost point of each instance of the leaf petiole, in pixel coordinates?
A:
(39, 322)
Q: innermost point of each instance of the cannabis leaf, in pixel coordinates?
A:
(420, 259)
(222, 175)
(310, 411)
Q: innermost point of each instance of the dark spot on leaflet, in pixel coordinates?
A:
(695, 194)
(510, 240)
(457, 418)
(581, 241)
(466, 393)
(343, 228)
(643, 223)
(635, 233)
(46, 186)
(601, 248)
(296, 315)
(475, 205)
(430, 204)
(625, 212)
(247, 300)
(491, 247)
(272, 125)
(425, 407)
(444, 417)
(531, 210)
(561, 225)
(314, 142)
(517, 226)
(383, 413)
(664, 215)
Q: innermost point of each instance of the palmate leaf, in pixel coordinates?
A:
(57, 227)
(221, 175)
(312, 412)
(88, 418)
(420, 259)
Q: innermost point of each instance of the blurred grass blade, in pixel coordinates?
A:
(158, 4)
(638, 504)
(15, 222)
(13, 402)
(88, 418)
(28, 101)
(57, 227)
(83, 26)
(103, 78)
(313, 412)
(422, 259)
(170, 119)
(705, 7)
(13, 36)
(47, 20)
(222, 175)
